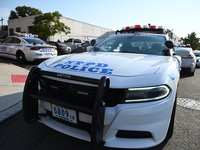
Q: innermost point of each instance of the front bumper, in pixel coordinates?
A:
(125, 126)
(133, 125)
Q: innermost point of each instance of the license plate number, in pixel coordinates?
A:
(64, 113)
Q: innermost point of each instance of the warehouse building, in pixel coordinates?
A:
(78, 29)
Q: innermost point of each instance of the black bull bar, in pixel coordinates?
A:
(31, 96)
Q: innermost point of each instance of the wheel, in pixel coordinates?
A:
(191, 73)
(171, 125)
(21, 57)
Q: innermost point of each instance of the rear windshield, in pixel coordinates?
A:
(136, 43)
(61, 44)
(34, 41)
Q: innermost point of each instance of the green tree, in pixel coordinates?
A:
(23, 11)
(192, 40)
(49, 24)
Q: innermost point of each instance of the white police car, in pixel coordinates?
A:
(26, 47)
(120, 94)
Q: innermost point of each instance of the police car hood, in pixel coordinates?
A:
(118, 64)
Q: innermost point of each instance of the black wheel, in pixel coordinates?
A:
(171, 125)
(191, 73)
(21, 57)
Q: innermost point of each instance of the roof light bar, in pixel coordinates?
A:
(144, 29)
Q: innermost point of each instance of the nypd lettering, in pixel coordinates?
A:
(85, 66)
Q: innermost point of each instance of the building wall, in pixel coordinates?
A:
(78, 29)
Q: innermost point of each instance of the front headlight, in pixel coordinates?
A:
(147, 93)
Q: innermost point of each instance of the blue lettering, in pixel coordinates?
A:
(93, 69)
(66, 66)
(58, 65)
(74, 67)
(101, 65)
(89, 63)
(106, 71)
(79, 62)
(83, 69)
(69, 62)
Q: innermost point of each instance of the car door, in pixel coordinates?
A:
(14, 46)
(5, 47)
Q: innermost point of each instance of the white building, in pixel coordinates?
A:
(78, 29)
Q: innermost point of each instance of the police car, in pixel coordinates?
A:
(26, 47)
(120, 94)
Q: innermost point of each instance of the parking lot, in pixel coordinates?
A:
(36, 136)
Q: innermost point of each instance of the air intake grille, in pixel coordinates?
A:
(82, 95)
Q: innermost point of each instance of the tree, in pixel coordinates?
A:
(49, 24)
(192, 40)
(23, 11)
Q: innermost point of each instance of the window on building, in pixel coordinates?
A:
(18, 29)
(11, 31)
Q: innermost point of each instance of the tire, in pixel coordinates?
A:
(21, 57)
(171, 125)
(191, 73)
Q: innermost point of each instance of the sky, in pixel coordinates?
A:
(181, 16)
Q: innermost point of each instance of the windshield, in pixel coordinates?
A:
(133, 43)
(34, 41)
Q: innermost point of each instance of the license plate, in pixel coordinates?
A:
(64, 113)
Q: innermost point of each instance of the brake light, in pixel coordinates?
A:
(61, 47)
(188, 57)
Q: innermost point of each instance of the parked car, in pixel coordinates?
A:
(73, 43)
(61, 48)
(26, 47)
(197, 54)
(188, 59)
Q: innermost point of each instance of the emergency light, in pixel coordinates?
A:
(26, 35)
(144, 29)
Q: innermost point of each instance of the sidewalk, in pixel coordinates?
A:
(12, 80)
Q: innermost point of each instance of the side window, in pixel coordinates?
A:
(7, 40)
(16, 40)
(69, 40)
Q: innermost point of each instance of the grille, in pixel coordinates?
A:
(81, 95)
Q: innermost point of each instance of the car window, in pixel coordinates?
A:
(61, 44)
(7, 40)
(52, 43)
(16, 40)
(77, 41)
(137, 43)
(34, 41)
(69, 40)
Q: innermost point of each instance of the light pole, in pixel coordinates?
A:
(2, 23)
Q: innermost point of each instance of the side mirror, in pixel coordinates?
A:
(93, 42)
(169, 44)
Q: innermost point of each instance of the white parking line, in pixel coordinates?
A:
(189, 103)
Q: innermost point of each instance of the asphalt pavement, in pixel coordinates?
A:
(12, 80)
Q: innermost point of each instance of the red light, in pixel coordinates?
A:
(127, 27)
(137, 26)
(152, 27)
(61, 47)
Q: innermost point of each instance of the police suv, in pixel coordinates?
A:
(120, 94)
(26, 47)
